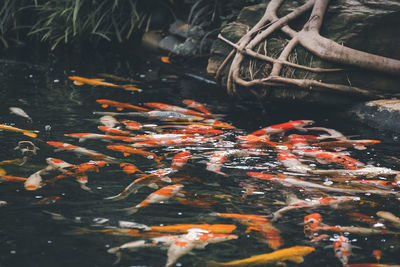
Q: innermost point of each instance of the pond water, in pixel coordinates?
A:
(69, 230)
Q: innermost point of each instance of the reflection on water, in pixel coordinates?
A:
(69, 221)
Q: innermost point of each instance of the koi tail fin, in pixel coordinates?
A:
(116, 197)
(30, 134)
(78, 231)
(117, 252)
(131, 211)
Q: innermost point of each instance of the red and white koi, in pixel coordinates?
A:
(158, 196)
(343, 144)
(174, 142)
(292, 163)
(85, 136)
(324, 157)
(161, 137)
(34, 181)
(197, 106)
(295, 203)
(198, 129)
(58, 164)
(310, 222)
(166, 107)
(301, 141)
(113, 130)
(283, 127)
(180, 159)
(216, 161)
(132, 125)
(342, 249)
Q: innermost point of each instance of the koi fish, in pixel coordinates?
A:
(289, 182)
(132, 125)
(33, 182)
(58, 164)
(300, 141)
(158, 196)
(253, 141)
(310, 222)
(332, 134)
(161, 137)
(164, 240)
(218, 124)
(342, 249)
(198, 129)
(85, 136)
(197, 106)
(8, 178)
(295, 203)
(126, 150)
(215, 162)
(359, 217)
(129, 168)
(80, 169)
(180, 159)
(3, 203)
(173, 142)
(180, 247)
(319, 238)
(369, 172)
(343, 144)
(80, 150)
(148, 180)
(155, 115)
(324, 157)
(292, 163)
(378, 183)
(100, 82)
(47, 200)
(29, 133)
(261, 225)
(105, 103)
(377, 254)
(355, 230)
(183, 228)
(20, 112)
(166, 107)
(388, 216)
(113, 130)
(283, 127)
(165, 59)
(295, 254)
(108, 121)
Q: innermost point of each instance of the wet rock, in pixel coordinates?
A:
(369, 25)
(381, 114)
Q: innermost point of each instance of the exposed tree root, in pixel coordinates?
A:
(309, 38)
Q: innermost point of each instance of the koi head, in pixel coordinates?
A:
(61, 145)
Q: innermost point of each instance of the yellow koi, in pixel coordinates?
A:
(15, 129)
(294, 254)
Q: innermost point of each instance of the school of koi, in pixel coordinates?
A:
(193, 134)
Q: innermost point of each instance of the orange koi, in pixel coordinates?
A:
(319, 238)
(165, 59)
(261, 225)
(197, 106)
(253, 141)
(100, 82)
(166, 107)
(132, 125)
(80, 169)
(29, 133)
(359, 217)
(283, 127)
(161, 137)
(158, 196)
(294, 254)
(7, 178)
(324, 157)
(47, 200)
(377, 254)
(126, 150)
(173, 142)
(301, 141)
(105, 103)
(198, 129)
(113, 130)
(129, 168)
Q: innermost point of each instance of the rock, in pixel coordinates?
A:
(381, 114)
(366, 25)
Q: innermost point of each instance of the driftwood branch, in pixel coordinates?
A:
(309, 38)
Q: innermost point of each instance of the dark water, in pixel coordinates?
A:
(30, 236)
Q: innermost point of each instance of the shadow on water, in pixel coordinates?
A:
(32, 235)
